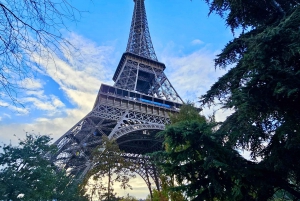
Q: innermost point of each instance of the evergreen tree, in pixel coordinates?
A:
(263, 90)
(196, 160)
(207, 167)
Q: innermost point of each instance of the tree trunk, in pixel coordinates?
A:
(108, 190)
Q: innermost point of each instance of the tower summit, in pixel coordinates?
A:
(131, 111)
(139, 41)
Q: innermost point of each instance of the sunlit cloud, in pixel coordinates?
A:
(197, 42)
(30, 84)
(20, 111)
(192, 74)
(82, 70)
(78, 72)
(219, 113)
(139, 188)
(17, 110)
(3, 104)
(7, 115)
(51, 104)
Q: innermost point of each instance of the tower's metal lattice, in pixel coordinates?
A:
(132, 111)
(139, 41)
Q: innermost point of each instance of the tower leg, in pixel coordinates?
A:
(156, 177)
(148, 182)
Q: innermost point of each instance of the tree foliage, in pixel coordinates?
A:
(263, 90)
(263, 87)
(129, 198)
(251, 14)
(187, 112)
(109, 167)
(27, 175)
(29, 29)
(206, 167)
(157, 196)
(167, 193)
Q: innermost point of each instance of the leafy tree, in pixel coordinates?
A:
(157, 196)
(26, 174)
(129, 198)
(206, 167)
(263, 90)
(110, 165)
(187, 112)
(199, 163)
(183, 157)
(263, 87)
(167, 191)
(167, 184)
(29, 28)
(282, 196)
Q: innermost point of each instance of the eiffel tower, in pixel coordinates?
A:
(132, 111)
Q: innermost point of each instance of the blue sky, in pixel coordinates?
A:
(63, 91)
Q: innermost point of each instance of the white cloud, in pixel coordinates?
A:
(30, 84)
(51, 104)
(31, 96)
(79, 73)
(220, 114)
(140, 189)
(192, 74)
(82, 70)
(19, 110)
(54, 126)
(35, 93)
(197, 42)
(3, 104)
(7, 115)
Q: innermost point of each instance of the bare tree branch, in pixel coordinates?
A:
(30, 27)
